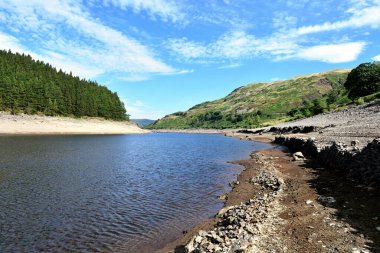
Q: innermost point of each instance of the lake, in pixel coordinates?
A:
(111, 193)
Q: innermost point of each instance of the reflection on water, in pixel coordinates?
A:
(119, 193)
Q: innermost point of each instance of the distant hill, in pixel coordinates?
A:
(31, 87)
(259, 104)
(143, 122)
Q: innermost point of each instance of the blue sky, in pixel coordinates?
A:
(163, 56)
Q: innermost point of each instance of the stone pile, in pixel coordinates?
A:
(362, 165)
(240, 226)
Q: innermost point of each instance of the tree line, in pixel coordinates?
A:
(34, 87)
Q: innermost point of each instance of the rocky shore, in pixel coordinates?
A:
(246, 226)
(320, 195)
(281, 205)
(347, 140)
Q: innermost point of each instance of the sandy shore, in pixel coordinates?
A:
(34, 124)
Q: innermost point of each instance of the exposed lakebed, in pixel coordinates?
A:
(119, 193)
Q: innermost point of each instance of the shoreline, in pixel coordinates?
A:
(192, 131)
(24, 124)
(299, 218)
(240, 192)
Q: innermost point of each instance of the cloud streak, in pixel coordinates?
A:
(288, 42)
(367, 15)
(96, 49)
(166, 10)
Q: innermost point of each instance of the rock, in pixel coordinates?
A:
(378, 228)
(223, 197)
(327, 200)
(202, 233)
(224, 210)
(189, 247)
(308, 202)
(354, 143)
(298, 156)
(198, 239)
(212, 247)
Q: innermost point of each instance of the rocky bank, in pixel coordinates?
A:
(320, 195)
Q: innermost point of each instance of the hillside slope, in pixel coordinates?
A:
(34, 87)
(143, 122)
(257, 103)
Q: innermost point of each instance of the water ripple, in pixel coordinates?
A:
(110, 193)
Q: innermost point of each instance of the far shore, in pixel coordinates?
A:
(192, 131)
(23, 124)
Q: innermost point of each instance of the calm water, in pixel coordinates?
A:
(119, 193)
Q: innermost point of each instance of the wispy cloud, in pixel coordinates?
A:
(167, 10)
(376, 58)
(230, 66)
(10, 42)
(363, 13)
(139, 110)
(180, 72)
(82, 44)
(233, 45)
(287, 42)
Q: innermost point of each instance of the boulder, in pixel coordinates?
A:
(298, 156)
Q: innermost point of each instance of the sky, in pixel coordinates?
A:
(163, 56)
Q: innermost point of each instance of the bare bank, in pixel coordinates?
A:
(34, 124)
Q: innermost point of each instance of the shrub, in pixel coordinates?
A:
(359, 101)
(363, 80)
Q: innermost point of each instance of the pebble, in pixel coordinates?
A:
(239, 224)
(378, 228)
(308, 202)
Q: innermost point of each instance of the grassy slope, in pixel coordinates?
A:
(273, 99)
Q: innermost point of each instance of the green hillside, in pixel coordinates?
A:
(260, 104)
(31, 87)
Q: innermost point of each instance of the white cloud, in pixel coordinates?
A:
(363, 14)
(282, 20)
(288, 41)
(165, 9)
(233, 45)
(187, 48)
(81, 44)
(180, 72)
(337, 53)
(238, 45)
(376, 58)
(10, 42)
(230, 45)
